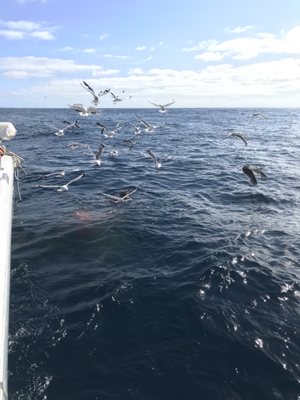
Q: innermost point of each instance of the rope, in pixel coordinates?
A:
(17, 160)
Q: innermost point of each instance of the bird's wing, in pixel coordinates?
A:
(249, 172)
(57, 173)
(76, 144)
(75, 179)
(113, 198)
(169, 104)
(71, 124)
(144, 122)
(116, 98)
(49, 186)
(90, 150)
(151, 154)
(99, 152)
(102, 126)
(239, 135)
(259, 172)
(259, 115)
(129, 194)
(88, 88)
(66, 128)
(77, 107)
(51, 126)
(103, 92)
(154, 104)
(92, 110)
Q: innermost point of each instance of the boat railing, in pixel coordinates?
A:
(6, 213)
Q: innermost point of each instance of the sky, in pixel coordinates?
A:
(218, 53)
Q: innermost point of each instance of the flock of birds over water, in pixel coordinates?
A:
(141, 126)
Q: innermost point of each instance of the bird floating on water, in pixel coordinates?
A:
(123, 196)
(113, 153)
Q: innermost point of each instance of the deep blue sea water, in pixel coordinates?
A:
(191, 290)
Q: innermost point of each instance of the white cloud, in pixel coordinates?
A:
(44, 35)
(31, 1)
(116, 56)
(108, 72)
(90, 51)
(210, 56)
(41, 67)
(191, 49)
(140, 48)
(249, 47)
(266, 83)
(18, 30)
(149, 58)
(103, 36)
(66, 48)
(21, 25)
(9, 34)
(136, 71)
(241, 29)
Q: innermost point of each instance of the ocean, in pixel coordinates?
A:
(189, 290)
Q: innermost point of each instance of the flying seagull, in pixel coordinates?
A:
(116, 99)
(72, 124)
(62, 188)
(99, 153)
(58, 132)
(76, 145)
(148, 127)
(137, 129)
(258, 115)
(156, 161)
(162, 107)
(239, 135)
(129, 142)
(108, 133)
(96, 97)
(250, 171)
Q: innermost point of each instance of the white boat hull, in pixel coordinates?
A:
(6, 211)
